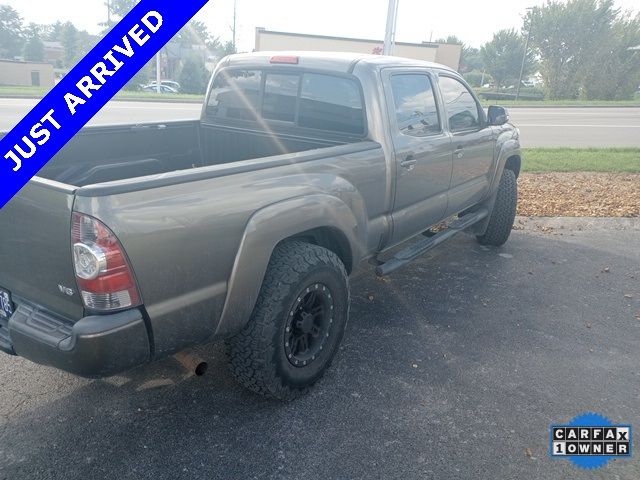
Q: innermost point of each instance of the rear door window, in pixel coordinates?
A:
(331, 103)
(236, 95)
(280, 97)
(415, 104)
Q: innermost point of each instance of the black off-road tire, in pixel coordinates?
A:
(503, 213)
(258, 357)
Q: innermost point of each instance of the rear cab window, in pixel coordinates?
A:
(280, 97)
(331, 103)
(236, 95)
(307, 100)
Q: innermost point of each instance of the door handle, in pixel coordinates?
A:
(459, 152)
(409, 162)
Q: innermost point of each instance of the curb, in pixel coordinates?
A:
(547, 224)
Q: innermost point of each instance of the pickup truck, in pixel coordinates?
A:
(139, 241)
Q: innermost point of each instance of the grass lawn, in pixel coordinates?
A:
(174, 97)
(634, 102)
(612, 160)
(563, 103)
(35, 92)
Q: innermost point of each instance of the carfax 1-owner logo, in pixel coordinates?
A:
(590, 441)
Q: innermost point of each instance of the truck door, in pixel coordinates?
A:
(423, 157)
(473, 144)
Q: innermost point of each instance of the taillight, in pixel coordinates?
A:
(104, 276)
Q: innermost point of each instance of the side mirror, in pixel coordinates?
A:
(498, 115)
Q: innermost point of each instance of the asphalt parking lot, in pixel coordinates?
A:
(454, 368)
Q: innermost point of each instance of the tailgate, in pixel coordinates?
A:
(35, 247)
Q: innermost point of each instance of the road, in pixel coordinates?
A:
(578, 127)
(540, 127)
(454, 368)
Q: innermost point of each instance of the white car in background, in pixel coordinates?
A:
(152, 88)
(167, 83)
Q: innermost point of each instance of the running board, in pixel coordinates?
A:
(421, 247)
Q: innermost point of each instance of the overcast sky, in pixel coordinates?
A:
(472, 21)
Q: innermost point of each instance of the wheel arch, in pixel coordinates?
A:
(321, 219)
(330, 238)
(514, 163)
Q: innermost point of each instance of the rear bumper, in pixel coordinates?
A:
(95, 346)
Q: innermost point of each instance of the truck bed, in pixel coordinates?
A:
(103, 161)
(118, 152)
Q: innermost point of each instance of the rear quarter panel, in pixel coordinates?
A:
(182, 239)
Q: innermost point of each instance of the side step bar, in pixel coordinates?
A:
(421, 247)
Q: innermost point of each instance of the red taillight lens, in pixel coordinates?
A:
(286, 59)
(104, 276)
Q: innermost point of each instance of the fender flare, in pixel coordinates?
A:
(270, 226)
(508, 149)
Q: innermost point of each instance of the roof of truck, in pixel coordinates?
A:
(334, 61)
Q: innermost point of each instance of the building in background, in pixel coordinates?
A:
(53, 53)
(444, 53)
(26, 74)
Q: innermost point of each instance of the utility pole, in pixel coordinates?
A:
(159, 72)
(526, 47)
(235, 16)
(390, 32)
(108, 13)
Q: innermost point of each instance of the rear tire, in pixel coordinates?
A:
(503, 213)
(297, 324)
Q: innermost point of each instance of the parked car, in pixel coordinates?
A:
(168, 83)
(163, 89)
(138, 241)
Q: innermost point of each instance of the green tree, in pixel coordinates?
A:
(86, 42)
(141, 78)
(70, 44)
(469, 57)
(476, 78)
(502, 57)
(471, 60)
(451, 39)
(53, 32)
(197, 33)
(34, 47)
(228, 48)
(613, 72)
(118, 9)
(194, 76)
(11, 33)
(582, 45)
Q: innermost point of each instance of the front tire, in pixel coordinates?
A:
(504, 211)
(297, 324)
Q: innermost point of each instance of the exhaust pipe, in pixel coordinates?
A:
(192, 363)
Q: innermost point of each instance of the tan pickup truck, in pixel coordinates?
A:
(138, 241)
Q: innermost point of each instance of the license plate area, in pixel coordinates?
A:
(6, 305)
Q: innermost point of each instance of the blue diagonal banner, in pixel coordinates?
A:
(87, 88)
